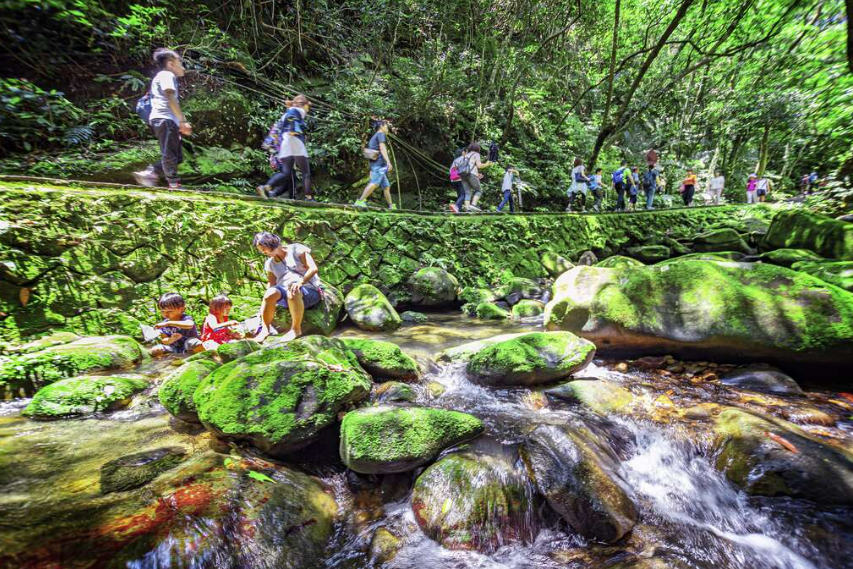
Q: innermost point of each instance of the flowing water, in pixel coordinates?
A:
(690, 515)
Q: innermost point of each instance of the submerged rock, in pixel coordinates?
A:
(368, 308)
(382, 360)
(530, 359)
(839, 273)
(281, 398)
(384, 546)
(236, 349)
(475, 501)
(527, 309)
(771, 457)
(176, 391)
(764, 379)
(388, 439)
(320, 319)
(491, 311)
(554, 264)
(600, 395)
(581, 479)
(135, 470)
(618, 262)
(801, 229)
(432, 286)
(84, 395)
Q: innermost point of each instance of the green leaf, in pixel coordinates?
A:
(260, 476)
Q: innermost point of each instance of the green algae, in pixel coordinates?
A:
(382, 360)
(83, 395)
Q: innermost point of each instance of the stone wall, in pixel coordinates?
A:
(93, 260)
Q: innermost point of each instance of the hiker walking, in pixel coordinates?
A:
(461, 162)
(715, 187)
(650, 185)
(166, 119)
(621, 181)
(471, 180)
(688, 188)
(376, 153)
(578, 186)
(286, 140)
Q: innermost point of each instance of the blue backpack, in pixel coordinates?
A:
(617, 175)
(143, 107)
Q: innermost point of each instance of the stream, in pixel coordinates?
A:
(690, 515)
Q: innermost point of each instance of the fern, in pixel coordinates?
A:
(77, 135)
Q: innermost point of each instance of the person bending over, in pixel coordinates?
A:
(293, 282)
(178, 331)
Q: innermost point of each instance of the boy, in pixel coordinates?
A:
(621, 183)
(180, 335)
(380, 167)
(597, 190)
(510, 177)
(166, 120)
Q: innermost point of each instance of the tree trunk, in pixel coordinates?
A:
(763, 151)
(849, 4)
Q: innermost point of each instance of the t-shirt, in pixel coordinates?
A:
(163, 81)
(761, 184)
(291, 269)
(578, 170)
(750, 186)
(689, 181)
(474, 159)
(180, 346)
(596, 181)
(375, 141)
(650, 179)
(509, 178)
(717, 183)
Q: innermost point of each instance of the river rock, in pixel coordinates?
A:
(384, 546)
(320, 319)
(787, 257)
(22, 375)
(52, 339)
(618, 262)
(473, 295)
(432, 286)
(717, 256)
(573, 293)
(554, 264)
(475, 501)
(393, 392)
(800, 229)
(771, 457)
(600, 395)
(412, 317)
(138, 469)
(649, 253)
(463, 352)
(534, 358)
(491, 311)
(587, 258)
(518, 289)
(84, 395)
(724, 239)
(176, 391)
(527, 309)
(230, 351)
(384, 439)
(839, 273)
(281, 398)
(755, 310)
(764, 379)
(382, 360)
(581, 479)
(368, 308)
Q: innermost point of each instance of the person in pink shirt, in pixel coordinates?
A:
(750, 188)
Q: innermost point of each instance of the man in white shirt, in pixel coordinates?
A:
(715, 187)
(166, 120)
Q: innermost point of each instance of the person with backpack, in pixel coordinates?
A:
(596, 189)
(688, 188)
(621, 182)
(376, 153)
(471, 178)
(578, 186)
(634, 190)
(762, 188)
(456, 180)
(161, 110)
(650, 185)
(286, 140)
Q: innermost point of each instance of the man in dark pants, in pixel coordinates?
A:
(166, 120)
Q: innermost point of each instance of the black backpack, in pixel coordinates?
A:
(649, 179)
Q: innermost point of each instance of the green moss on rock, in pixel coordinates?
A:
(555, 264)
(787, 257)
(135, 470)
(176, 391)
(800, 229)
(619, 262)
(839, 273)
(236, 349)
(368, 308)
(387, 439)
(647, 254)
(84, 395)
(382, 360)
(491, 311)
(432, 286)
(320, 319)
(526, 308)
(601, 396)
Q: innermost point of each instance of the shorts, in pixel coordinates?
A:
(378, 176)
(761, 192)
(189, 346)
(310, 295)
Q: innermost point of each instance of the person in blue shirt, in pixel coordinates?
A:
(287, 140)
(380, 167)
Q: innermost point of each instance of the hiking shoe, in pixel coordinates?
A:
(175, 186)
(453, 208)
(360, 203)
(263, 191)
(472, 208)
(392, 207)
(147, 177)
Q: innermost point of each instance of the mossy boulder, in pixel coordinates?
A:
(280, 399)
(600, 395)
(723, 239)
(22, 375)
(393, 392)
(527, 309)
(491, 311)
(413, 317)
(84, 395)
(230, 351)
(382, 360)
(535, 358)
(387, 439)
(475, 501)
(320, 319)
(138, 469)
(618, 262)
(464, 352)
(518, 289)
(800, 229)
(718, 256)
(648, 253)
(787, 257)
(53, 339)
(555, 264)
(770, 457)
(474, 295)
(704, 309)
(368, 308)
(574, 291)
(581, 478)
(839, 273)
(176, 391)
(432, 286)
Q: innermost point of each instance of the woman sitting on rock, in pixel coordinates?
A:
(293, 282)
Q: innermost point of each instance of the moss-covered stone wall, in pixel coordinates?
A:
(93, 260)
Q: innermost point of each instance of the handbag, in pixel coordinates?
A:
(369, 153)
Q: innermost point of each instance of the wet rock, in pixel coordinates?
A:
(491, 311)
(535, 358)
(138, 469)
(388, 439)
(839, 273)
(650, 362)
(581, 479)
(771, 457)
(53, 339)
(393, 392)
(236, 349)
(621, 367)
(176, 391)
(787, 257)
(432, 286)
(412, 317)
(368, 308)
(599, 395)
(574, 291)
(473, 295)
(649, 253)
(725, 239)
(84, 395)
(761, 378)
(382, 360)
(22, 375)
(587, 258)
(320, 319)
(435, 389)
(618, 262)
(527, 309)
(846, 217)
(474, 501)
(801, 229)
(519, 289)
(464, 352)
(383, 546)
(281, 398)
(554, 264)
